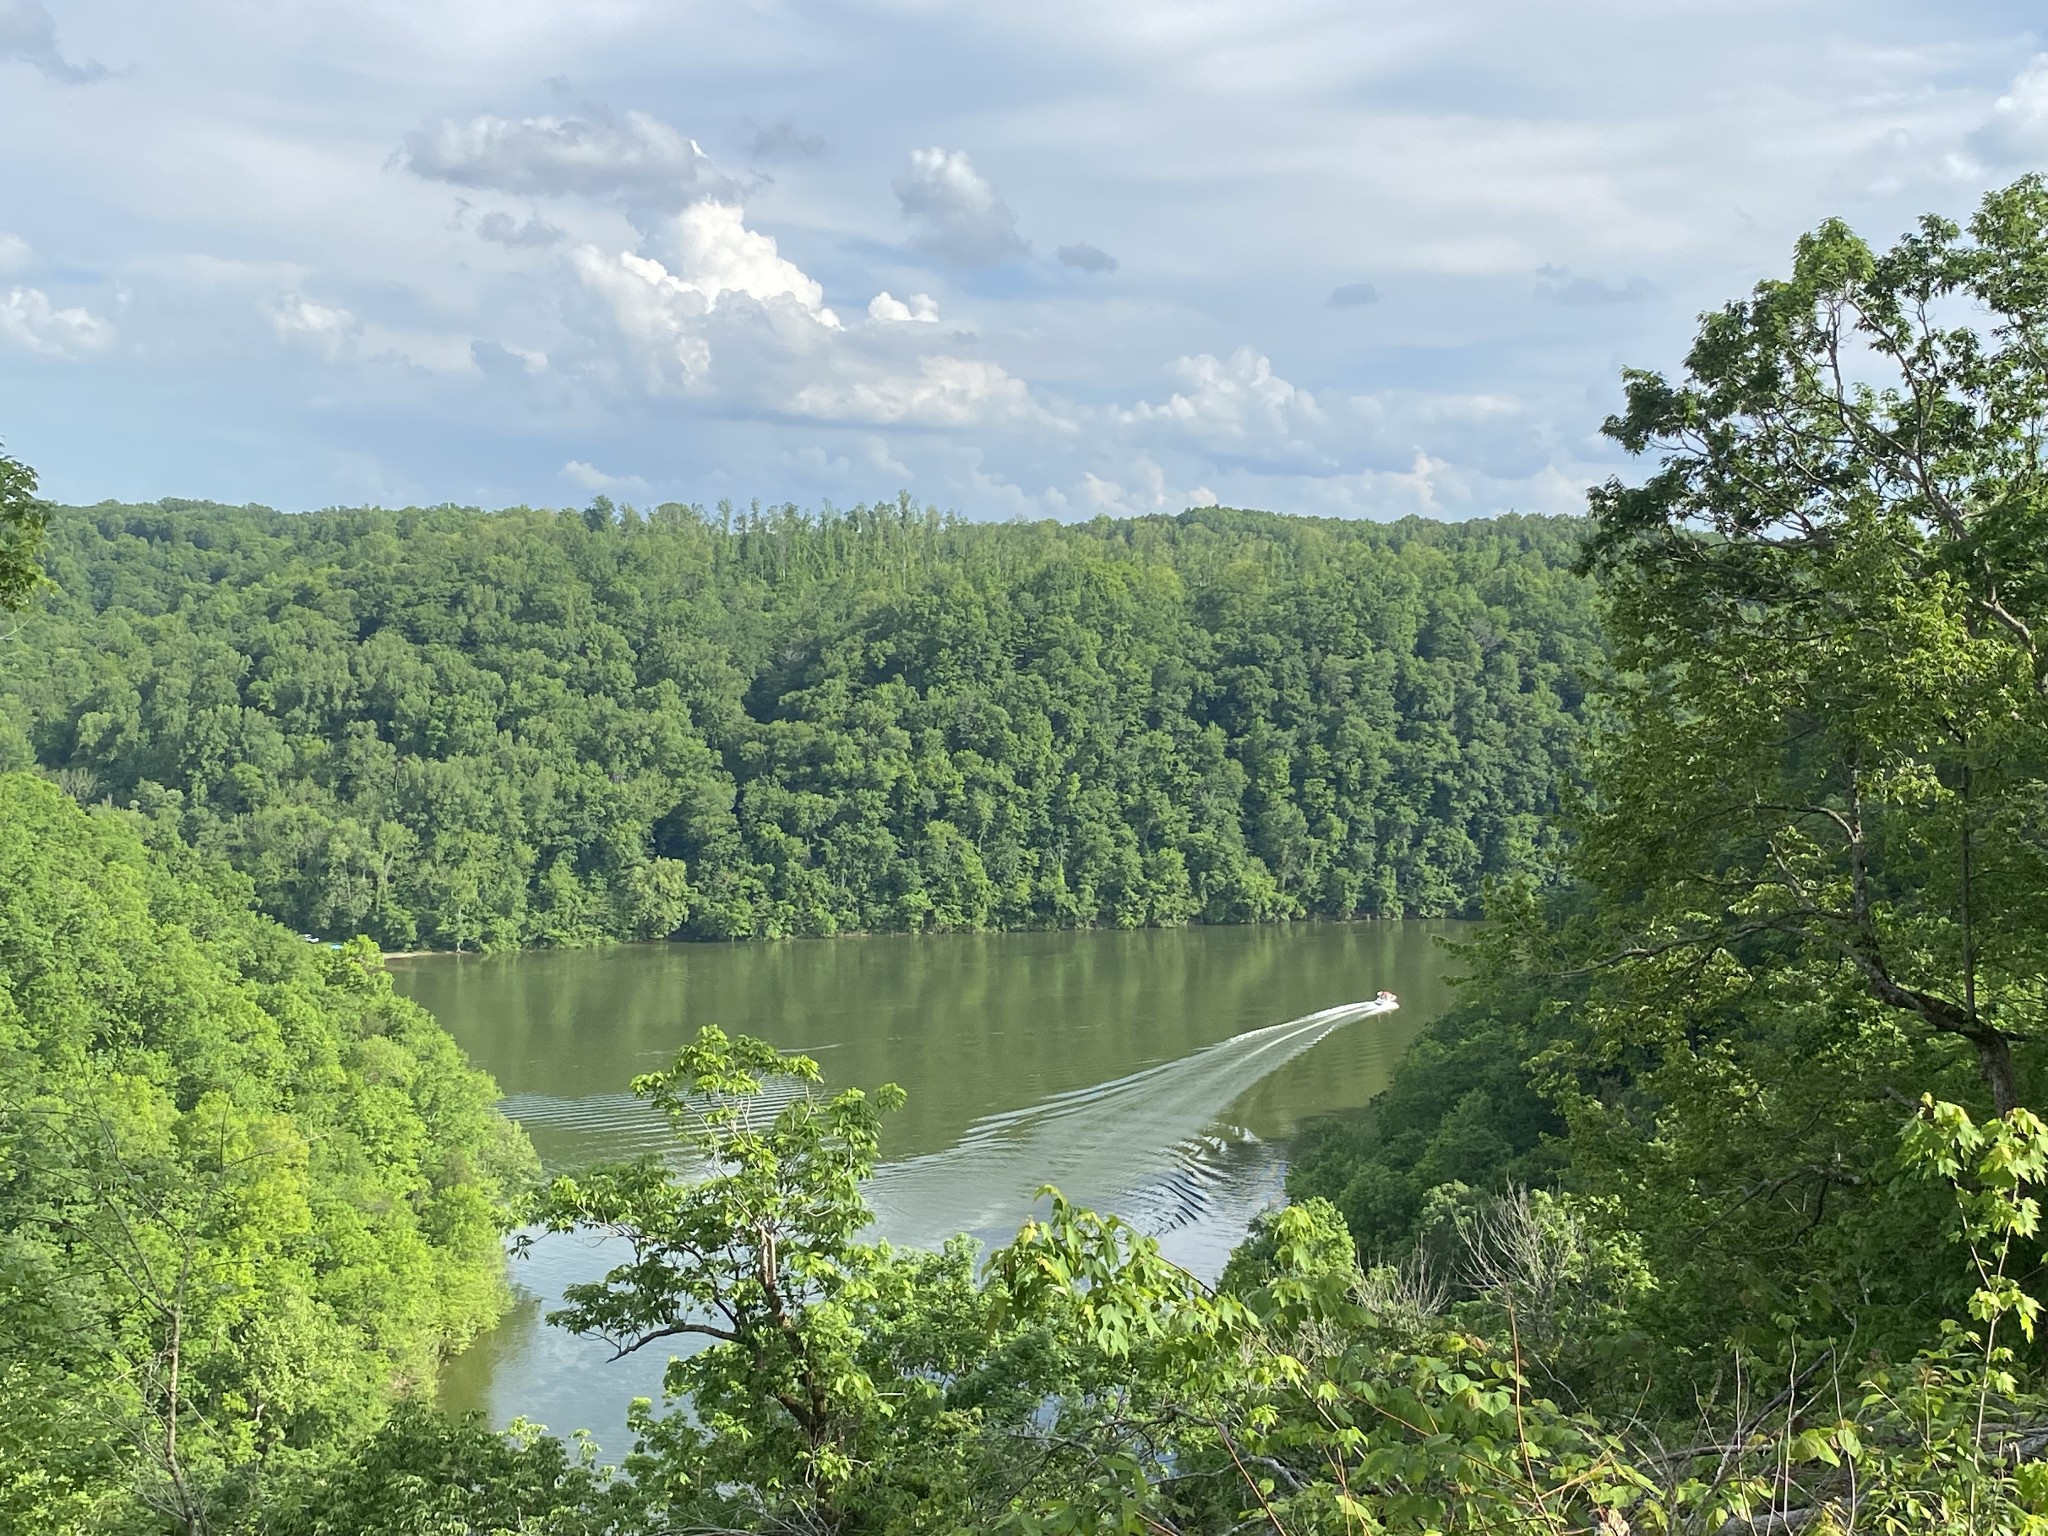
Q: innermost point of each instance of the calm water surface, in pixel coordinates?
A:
(1155, 1073)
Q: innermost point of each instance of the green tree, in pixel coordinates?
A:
(23, 518)
(1081, 1383)
(453, 729)
(832, 1383)
(247, 1194)
(1825, 606)
(1813, 848)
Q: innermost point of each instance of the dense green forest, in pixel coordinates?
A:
(247, 1195)
(452, 729)
(1714, 1207)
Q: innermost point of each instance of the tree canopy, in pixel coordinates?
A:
(246, 1193)
(22, 520)
(449, 729)
(1809, 870)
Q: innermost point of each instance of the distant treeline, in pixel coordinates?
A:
(450, 728)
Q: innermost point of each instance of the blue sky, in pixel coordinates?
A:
(1363, 259)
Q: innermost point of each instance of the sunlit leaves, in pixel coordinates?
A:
(246, 1193)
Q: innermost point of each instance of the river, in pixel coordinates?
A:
(1157, 1073)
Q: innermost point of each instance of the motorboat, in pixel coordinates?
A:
(1387, 999)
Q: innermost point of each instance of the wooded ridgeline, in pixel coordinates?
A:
(448, 728)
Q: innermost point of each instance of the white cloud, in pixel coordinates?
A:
(31, 321)
(2016, 132)
(956, 212)
(885, 307)
(943, 392)
(28, 34)
(595, 480)
(656, 312)
(327, 328)
(633, 156)
(716, 253)
(1238, 403)
(664, 311)
(724, 315)
(13, 253)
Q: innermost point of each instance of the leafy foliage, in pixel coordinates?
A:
(1810, 862)
(23, 518)
(458, 730)
(1463, 1114)
(423, 1474)
(246, 1193)
(1082, 1383)
(1814, 858)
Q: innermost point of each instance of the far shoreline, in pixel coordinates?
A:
(1319, 919)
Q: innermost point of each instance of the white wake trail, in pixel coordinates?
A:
(1144, 1136)
(1144, 1145)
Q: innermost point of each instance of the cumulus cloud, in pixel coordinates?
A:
(1557, 283)
(1351, 295)
(1086, 258)
(716, 253)
(885, 307)
(957, 214)
(942, 392)
(595, 480)
(2016, 132)
(31, 321)
(326, 328)
(719, 313)
(781, 141)
(1239, 404)
(632, 156)
(503, 229)
(13, 253)
(28, 35)
(661, 308)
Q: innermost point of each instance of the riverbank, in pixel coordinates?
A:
(599, 944)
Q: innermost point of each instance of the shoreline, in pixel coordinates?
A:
(1362, 919)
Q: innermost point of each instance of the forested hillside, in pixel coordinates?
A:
(247, 1195)
(446, 728)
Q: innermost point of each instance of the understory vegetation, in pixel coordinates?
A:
(1712, 1207)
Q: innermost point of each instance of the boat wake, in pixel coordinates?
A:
(1149, 1146)
(1144, 1145)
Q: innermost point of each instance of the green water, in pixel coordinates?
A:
(1157, 1073)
